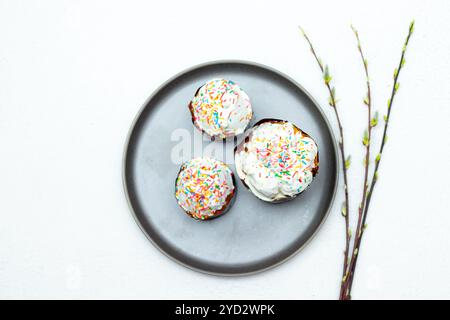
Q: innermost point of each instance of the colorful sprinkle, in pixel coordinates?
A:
(221, 109)
(277, 160)
(204, 187)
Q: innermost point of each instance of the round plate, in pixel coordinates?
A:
(253, 235)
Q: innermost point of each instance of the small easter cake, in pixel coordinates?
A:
(204, 188)
(221, 109)
(277, 161)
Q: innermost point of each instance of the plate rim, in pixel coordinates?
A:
(138, 116)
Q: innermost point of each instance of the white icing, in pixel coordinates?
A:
(203, 187)
(277, 162)
(221, 109)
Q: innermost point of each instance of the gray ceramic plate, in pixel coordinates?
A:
(253, 235)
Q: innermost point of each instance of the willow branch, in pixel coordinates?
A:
(358, 238)
(345, 161)
(366, 142)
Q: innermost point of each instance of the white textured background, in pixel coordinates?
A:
(73, 74)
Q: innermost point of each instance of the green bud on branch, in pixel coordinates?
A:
(377, 159)
(411, 26)
(348, 162)
(366, 100)
(365, 138)
(326, 75)
(344, 210)
(374, 121)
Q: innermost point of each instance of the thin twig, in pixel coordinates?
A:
(366, 142)
(348, 284)
(345, 161)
